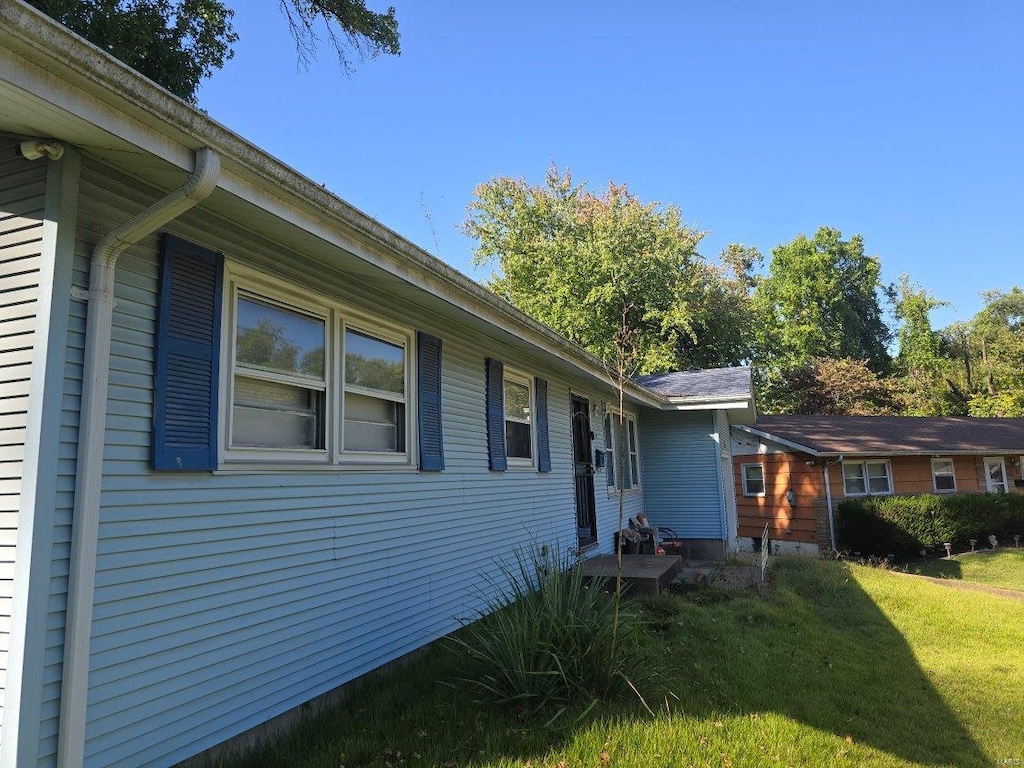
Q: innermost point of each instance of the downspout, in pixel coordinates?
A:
(91, 438)
(828, 505)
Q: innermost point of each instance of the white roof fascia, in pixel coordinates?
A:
(932, 454)
(706, 404)
(783, 441)
(42, 58)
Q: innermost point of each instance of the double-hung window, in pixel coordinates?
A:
(622, 451)
(280, 379)
(863, 478)
(943, 479)
(375, 387)
(312, 380)
(753, 479)
(518, 418)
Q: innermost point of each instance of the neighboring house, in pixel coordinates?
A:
(253, 444)
(791, 472)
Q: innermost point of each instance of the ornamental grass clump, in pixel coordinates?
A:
(547, 641)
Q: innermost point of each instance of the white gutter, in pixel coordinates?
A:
(91, 435)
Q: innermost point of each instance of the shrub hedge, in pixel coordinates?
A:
(904, 525)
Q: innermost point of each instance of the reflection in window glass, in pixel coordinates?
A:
(942, 473)
(518, 430)
(374, 395)
(373, 363)
(275, 339)
(634, 463)
(753, 479)
(862, 478)
(609, 445)
(853, 479)
(878, 477)
(628, 471)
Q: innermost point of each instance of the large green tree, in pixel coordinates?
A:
(994, 346)
(177, 43)
(722, 320)
(922, 365)
(822, 297)
(609, 272)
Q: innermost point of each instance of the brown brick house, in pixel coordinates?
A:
(791, 472)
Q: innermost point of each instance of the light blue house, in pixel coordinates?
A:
(253, 444)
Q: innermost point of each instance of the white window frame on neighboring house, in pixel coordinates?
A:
(866, 476)
(747, 491)
(989, 485)
(937, 472)
(247, 284)
(619, 465)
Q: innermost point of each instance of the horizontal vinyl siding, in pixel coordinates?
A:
(223, 600)
(681, 472)
(22, 201)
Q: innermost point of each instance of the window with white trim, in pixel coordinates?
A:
(313, 381)
(753, 479)
(622, 460)
(279, 380)
(943, 479)
(375, 387)
(865, 478)
(518, 418)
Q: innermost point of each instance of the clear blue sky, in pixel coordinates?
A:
(902, 121)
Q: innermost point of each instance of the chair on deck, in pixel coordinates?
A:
(650, 536)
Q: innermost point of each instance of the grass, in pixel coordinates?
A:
(1003, 568)
(841, 665)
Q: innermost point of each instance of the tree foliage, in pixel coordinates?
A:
(822, 298)
(722, 318)
(177, 43)
(607, 271)
(827, 386)
(994, 346)
(922, 362)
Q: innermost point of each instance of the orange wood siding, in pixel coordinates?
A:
(912, 475)
(781, 472)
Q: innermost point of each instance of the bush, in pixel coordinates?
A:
(547, 641)
(904, 525)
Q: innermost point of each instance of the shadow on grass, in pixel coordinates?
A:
(940, 569)
(819, 652)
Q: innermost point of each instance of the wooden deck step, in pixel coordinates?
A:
(641, 574)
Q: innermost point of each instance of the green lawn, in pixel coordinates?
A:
(841, 665)
(1004, 568)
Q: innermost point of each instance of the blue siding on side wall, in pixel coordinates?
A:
(223, 600)
(680, 472)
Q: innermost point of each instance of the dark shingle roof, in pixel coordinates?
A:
(897, 434)
(710, 383)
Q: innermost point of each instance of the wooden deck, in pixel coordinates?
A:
(641, 574)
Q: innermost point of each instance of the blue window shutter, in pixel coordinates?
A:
(429, 402)
(540, 388)
(187, 357)
(496, 456)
